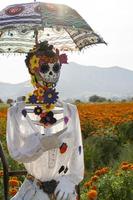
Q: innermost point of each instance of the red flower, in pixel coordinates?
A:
(63, 58)
(63, 148)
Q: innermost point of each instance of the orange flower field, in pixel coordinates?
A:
(106, 114)
(100, 115)
(3, 112)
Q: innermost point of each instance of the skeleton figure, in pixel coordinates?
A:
(44, 133)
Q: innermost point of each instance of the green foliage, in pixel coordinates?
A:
(116, 187)
(77, 101)
(87, 129)
(126, 153)
(2, 126)
(101, 151)
(125, 131)
(111, 184)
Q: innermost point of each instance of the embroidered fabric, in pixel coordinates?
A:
(18, 24)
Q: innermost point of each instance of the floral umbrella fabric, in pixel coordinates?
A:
(23, 25)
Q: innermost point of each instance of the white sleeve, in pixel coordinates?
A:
(22, 141)
(76, 166)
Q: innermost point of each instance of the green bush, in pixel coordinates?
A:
(125, 131)
(87, 129)
(126, 153)
(116, 187)
(101, 151)
(96, 98)
(111, 184)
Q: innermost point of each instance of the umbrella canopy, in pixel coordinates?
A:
(23, 25)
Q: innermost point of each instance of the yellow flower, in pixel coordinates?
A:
(40, 91)
(50, 85)
(34, 63)
(48, 107)
(27, 97)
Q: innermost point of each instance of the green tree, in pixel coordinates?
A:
(96, 98)
(9, 101)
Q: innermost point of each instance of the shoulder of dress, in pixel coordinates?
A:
(72, 106)
(72, 109)
(18, 103)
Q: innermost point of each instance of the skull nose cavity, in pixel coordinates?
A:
(50, 73)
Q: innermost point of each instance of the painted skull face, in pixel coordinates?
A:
(44, 63)
(50, 72)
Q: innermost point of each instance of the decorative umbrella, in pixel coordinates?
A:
(24, 25)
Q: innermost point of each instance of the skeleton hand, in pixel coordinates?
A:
(65, 189)
(51, 141)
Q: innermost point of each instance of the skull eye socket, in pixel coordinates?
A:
(56, 67)
(44, 68)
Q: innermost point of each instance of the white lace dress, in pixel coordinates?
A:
(24, 146)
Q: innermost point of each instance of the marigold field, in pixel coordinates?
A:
(107, 130)
(99, 115)
(105, 114)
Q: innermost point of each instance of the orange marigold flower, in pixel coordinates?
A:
(124, 163)
(92, 195)
(125, 167)
(88, 184)
(94, 178)
(1, 173)
(12, 191)
(13, 182)
(14, 178)
(98, 173)
(131, 167)
(94, 187)
(104, 170)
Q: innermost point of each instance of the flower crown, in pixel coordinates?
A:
(43, 52)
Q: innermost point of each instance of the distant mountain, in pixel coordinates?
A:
(79, 81)
(13, 91)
